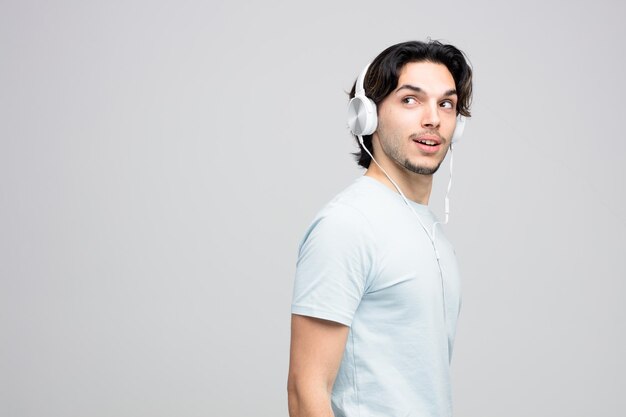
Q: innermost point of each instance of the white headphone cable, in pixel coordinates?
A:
(432, 238)
(447, 199)
(401, 194)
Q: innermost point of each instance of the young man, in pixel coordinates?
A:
(377, 291)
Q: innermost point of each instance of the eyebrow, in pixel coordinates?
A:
(448, 93)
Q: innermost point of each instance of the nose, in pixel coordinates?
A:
(430, 118)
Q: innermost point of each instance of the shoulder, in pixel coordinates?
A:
(338, 220)
(346, 213)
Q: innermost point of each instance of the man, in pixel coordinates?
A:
(377, 292)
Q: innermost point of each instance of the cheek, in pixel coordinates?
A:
(450, 126)
(397, 121)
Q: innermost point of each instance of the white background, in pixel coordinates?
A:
(159, 162)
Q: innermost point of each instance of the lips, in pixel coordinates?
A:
(428, 143)
(428, 140)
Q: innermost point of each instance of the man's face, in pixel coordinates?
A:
(417, 119)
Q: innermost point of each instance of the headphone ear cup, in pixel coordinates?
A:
(362, 118)
(458, 130)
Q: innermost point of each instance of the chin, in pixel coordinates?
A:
(421, 169)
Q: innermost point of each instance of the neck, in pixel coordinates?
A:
(415, 187)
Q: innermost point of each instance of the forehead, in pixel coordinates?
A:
(431, 77)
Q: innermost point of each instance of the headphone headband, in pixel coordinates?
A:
(360, 90)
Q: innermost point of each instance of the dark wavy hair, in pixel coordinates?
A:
(383, 73)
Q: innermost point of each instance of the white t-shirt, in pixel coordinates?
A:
(367, 263)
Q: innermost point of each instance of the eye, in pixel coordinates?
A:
(447, 104)
(409, 100)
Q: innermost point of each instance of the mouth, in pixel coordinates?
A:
(428, 143)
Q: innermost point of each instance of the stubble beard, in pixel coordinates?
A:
(393, 150)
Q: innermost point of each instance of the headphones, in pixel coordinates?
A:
(362, 118)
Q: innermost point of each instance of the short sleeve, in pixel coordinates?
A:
(335, 263)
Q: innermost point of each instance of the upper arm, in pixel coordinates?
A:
(317, 348)
(335, 264)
